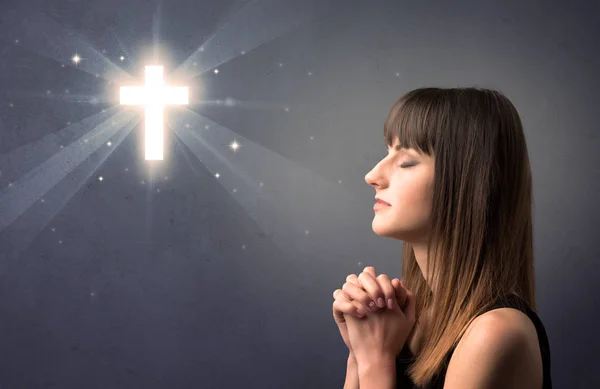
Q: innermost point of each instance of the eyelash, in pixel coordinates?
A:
(406, 165)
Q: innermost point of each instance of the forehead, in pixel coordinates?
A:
(398, 149)
(396, 146)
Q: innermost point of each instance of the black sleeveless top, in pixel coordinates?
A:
(404, 359)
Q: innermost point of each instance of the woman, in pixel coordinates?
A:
(455, 187)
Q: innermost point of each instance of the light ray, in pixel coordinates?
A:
(19, 161)
(129, 57)
(36, 216)
(257, 23)
(31, 186)
(44, 36)
(285, 199)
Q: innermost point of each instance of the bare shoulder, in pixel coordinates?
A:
(499, 350)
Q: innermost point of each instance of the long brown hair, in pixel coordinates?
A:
(480, 245)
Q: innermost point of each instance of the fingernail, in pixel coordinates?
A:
(372, 306)
(380, 302)
(390, 304)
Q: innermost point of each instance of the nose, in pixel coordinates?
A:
(373, 177)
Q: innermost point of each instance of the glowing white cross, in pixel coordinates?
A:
(154, 95)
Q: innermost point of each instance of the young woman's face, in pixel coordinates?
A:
(404, 179)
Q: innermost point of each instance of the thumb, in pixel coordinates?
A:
(399, 291)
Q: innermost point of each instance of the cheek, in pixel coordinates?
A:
(412, 207)
(413, 195)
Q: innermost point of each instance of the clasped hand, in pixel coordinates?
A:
(374, 315)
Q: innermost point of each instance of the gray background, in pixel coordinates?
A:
(174, 283)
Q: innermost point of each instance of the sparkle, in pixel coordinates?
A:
(11, 105)
(60, 242)
(53, 229)
(243, 52)
(280, 64)
(306, 232)
(100, 178)
(63, 65)
(234, 146)
(243, 247)
(234, 190)
(43, 201)
(92, 294)
(122, 58)
(16, 41)
(216, 71)
(217, 175)
(109, 143)
(76, 59)
(310, 73)
(397, 74)
(66, 91)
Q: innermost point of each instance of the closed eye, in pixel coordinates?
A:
(408, 164)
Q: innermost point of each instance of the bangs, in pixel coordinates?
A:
(413, 120)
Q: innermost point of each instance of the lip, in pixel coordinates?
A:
(381, 201)
(379, 206)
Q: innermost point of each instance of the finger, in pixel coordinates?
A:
(371, 286)
(400, 292)
(353, 279)
(342, 305)
(339, 294)
(357, 294)
(371, 271)
(388, 290)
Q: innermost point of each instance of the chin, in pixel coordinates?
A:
(384, 230)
